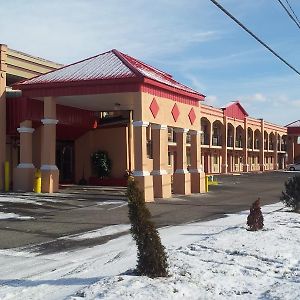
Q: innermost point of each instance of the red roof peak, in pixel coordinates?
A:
(110, 65)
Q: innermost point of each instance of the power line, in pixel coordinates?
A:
(292, 10)
(254, 36)
(290, 15)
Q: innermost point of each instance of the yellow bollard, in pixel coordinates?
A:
(6, 176)
(206, 183)
(37, 181)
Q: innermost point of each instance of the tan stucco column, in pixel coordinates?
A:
(182, 177)
(197, 174)
(290, 149)
(24, 173)
(262, 146)
(224, 167)
(276, 166)
(49, 170)
(161, 179)
(141, 172)
(245, 150)
(3, 69)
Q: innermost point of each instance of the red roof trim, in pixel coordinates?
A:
(199, 97)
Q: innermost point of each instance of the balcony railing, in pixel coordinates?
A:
(239, 144)
(230, 141)
(205, 139)
(216, 141)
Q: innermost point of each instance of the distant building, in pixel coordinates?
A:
(149, 124)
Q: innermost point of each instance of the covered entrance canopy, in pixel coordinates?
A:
(110, 82)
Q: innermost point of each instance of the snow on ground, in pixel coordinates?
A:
(218, 259)
(4, 215)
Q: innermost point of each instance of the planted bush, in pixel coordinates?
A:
(151, 254)
(101, 163)
(255, 219)
(291, 196)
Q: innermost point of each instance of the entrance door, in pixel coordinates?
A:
(65, 161)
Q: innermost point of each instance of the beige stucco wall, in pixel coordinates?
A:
(164, 115)
(112, 140)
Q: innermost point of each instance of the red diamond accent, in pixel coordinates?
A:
(154, 108)
(192, 116)
(175, 112)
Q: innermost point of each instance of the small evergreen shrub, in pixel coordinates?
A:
(152, 258)
(101, 163)
(291, 196)
(255, 219)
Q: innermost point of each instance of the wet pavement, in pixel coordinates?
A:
(75, 210)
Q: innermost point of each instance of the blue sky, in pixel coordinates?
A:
(193, 40)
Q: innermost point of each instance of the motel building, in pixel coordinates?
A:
(54, 117)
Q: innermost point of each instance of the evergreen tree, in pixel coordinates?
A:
(255, 219)
(291, 196)
(152, 258)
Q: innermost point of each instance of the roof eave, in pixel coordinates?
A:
(197, 96)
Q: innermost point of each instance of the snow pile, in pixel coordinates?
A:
(218, 259)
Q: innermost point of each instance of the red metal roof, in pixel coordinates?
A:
(106, 66)
(234, 109)
(294, 124)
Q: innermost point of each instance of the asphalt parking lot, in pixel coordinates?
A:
(41, 223)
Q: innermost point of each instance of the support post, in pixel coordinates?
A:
(245, 150)
(197, 174)
(182, 178)
(3, 70)
(141, 172)
(49, 170)
(224, 147)
(276, 166)
(161, 179)
(262, 146)
(24, 172)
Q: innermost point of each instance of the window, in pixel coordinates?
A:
(215, 159)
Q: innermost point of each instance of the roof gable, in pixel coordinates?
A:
(294, 124)
(235, 110)
(107, 66)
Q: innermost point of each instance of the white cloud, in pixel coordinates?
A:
(211, 100)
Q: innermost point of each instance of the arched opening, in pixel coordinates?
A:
(217, 133)
(205, 128)
(230, 135)
(257, 137)
(239, 141)
(266, 141)
(250, 139)
(272, 141)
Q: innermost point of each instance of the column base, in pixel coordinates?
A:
(50, 180)
(246, 168)
(262, 168)
(23, 179)
(145, 184)
(224, 168)
(182, 183)
(198, 182)
(162, 186)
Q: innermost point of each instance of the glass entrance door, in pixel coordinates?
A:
(65, 161)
